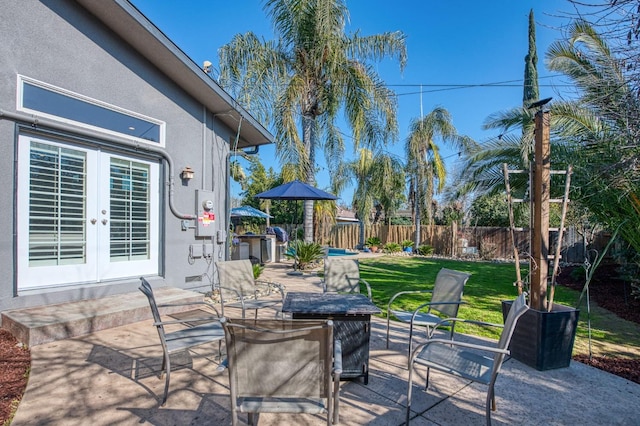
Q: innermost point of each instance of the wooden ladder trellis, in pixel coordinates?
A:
(510, 201)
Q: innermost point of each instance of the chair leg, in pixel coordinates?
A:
(410, 342)
(234, 411)
(493, 399)
(387, 330)
(493, 402)
(167, 363)
(336, 401)
(426, 382)
(410, 380)
(164, 366)
(490, 405)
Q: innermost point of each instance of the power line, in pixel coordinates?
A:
(476, 84)
(454, 86)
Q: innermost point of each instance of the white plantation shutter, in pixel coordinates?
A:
(57, 205)
(130, 210)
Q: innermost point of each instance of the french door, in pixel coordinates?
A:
(84, 215)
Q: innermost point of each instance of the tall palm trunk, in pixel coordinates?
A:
(309, 139)
(417, 241)
(416, 211)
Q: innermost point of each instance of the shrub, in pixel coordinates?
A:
(305, 253)
(257, 270)
(578, 274)
(392, 248)
(487, 249)
(425, 250)
(629, 273)
(406, 244)
(373, 241)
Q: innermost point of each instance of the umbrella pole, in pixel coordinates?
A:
(294, 218)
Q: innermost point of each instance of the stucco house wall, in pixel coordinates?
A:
(106, 51)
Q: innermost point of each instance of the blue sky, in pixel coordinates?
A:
(457, 50)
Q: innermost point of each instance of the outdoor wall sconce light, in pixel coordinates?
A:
(187, 173)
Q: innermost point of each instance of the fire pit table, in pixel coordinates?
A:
(351, 316)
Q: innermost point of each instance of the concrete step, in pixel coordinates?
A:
(42, 324)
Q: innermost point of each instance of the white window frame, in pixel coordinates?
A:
(20, 107)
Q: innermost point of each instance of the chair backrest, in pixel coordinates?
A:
(279, 358)
(238, 275)
(341, 275)
(518, 308)
(146, 289)
(448, 288)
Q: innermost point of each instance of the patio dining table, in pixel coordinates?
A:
(351, 315)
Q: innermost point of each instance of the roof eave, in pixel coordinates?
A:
(133, 27)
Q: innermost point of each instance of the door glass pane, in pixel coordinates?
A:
(130, 213)
(57, 205)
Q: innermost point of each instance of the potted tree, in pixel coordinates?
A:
(373, 243)
(407, 246)
(543, 339)
(544, 335)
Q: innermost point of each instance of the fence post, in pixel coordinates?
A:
(454, 238)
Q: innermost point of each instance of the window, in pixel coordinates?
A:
(47, 100)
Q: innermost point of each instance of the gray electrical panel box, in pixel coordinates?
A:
(205, 221)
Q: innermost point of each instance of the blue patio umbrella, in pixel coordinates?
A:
(293, 191)
(248, 211)
(296, 190)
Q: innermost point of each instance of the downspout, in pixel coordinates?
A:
(204, 146)
(35, 121)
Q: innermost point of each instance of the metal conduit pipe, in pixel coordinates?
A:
(35, 121)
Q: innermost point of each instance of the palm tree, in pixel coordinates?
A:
(325, 212)
(389, 183)
(601, 129)
(312, 72)
(363, 195)
(379, 178)
(425, 166)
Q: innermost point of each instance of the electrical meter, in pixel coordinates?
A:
(205, 224)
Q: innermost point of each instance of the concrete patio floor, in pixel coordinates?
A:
(111, 377)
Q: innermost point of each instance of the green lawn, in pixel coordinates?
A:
(490, 283)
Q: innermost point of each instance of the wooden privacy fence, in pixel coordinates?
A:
(484, 242)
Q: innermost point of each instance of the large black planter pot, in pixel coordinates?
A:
(544, 340)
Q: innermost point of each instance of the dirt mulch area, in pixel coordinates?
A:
(613, 294)
(15, 361)
(606, 289)
(626, 368)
